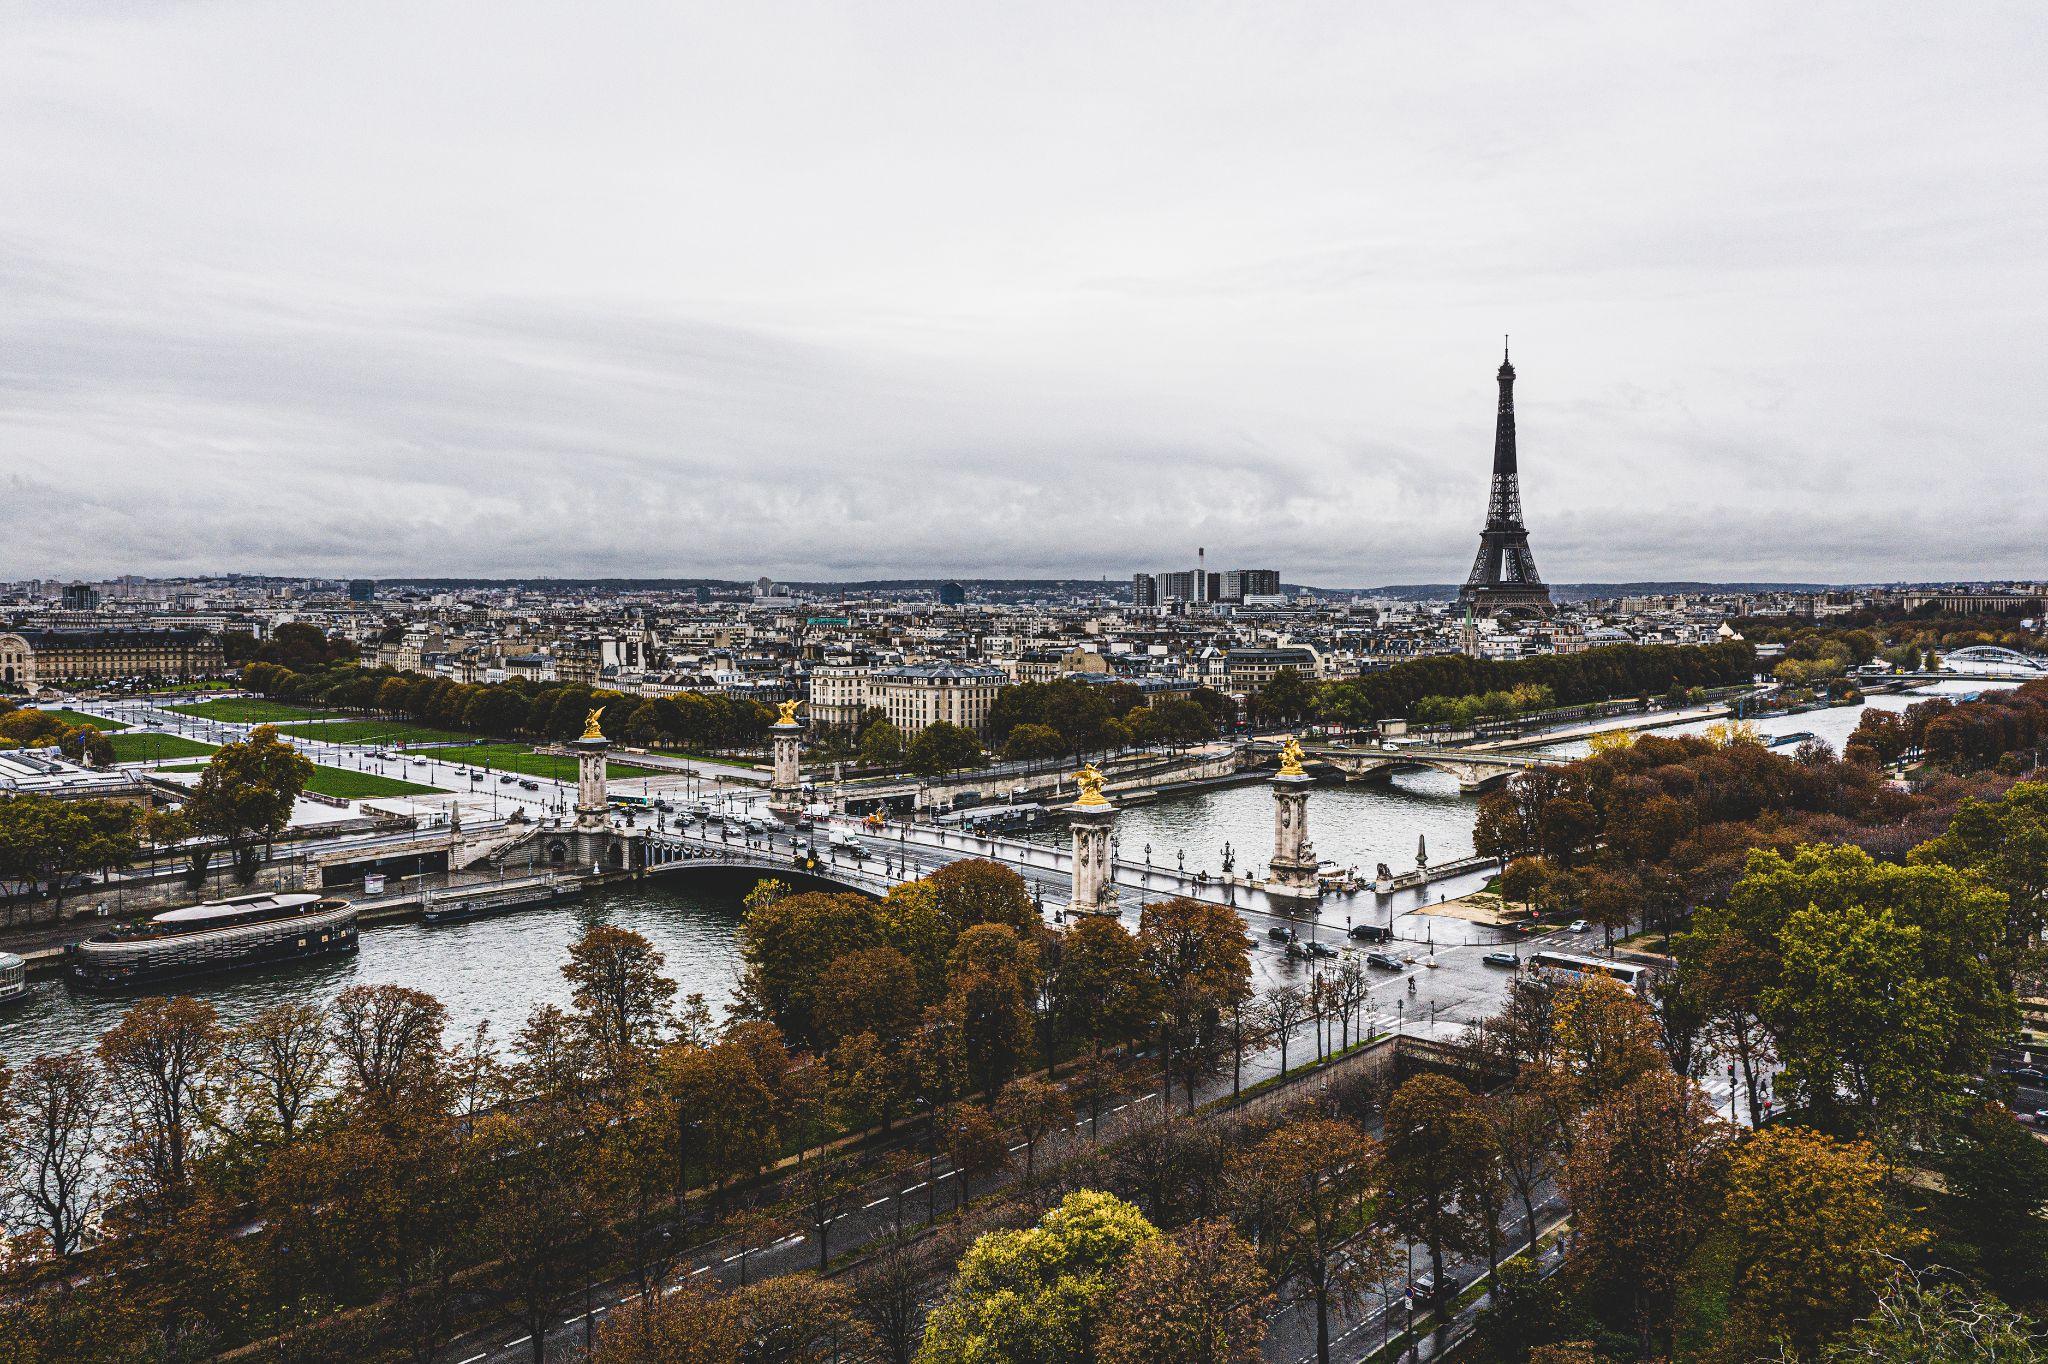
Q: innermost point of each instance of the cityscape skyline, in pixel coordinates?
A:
(966, 302)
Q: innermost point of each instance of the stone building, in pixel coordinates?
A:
(32, 658)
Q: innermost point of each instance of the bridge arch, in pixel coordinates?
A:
(1996, 654)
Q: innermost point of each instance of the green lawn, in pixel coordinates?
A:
(375, 732)
(73, 717)
(343, 784)
(249, 710)
(136, 747)
(522, 759)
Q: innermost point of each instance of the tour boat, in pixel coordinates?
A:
(220, 935)
(13, 978)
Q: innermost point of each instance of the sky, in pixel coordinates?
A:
(879, 289)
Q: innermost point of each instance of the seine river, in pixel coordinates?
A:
(497, 970)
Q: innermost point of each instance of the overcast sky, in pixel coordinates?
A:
(874, 289)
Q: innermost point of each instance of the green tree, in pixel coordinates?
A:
(1921, 1322)
(1034, 743)
(941, 747)
(1286, 697)
(1038, 1295)
(2005, 843)
(881, 745)
(246, 794)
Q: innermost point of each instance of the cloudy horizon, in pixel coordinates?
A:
(827, 292)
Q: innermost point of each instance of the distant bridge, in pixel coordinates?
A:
(1981, 655)
(1474, 769)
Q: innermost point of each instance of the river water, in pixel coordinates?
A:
(497, 970)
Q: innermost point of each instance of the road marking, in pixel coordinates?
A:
(700, 1269)
(515, 1344)
(474, 1358)
(876, 1204)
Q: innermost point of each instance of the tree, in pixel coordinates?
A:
(975, 891)
(280, 1060)
(992, 978)
(943, 747)
(2005, 842)
(1642, 1181)
(1037, 1294)
(1285, 698)
(1811, 1235)
(872, 991)
(1310, 1194)
(1918, 1322)
(620, 995)
(791, 1319)
(1520, 1123)
(974, 1144)
(388, 1041)
(52, 1168)
(162, 1062)
(246, 794)
(1286, 1008)
(47, 840)
(1197, 956)
(1034, 743)
(1603, 1038)
(1034, 1110)
(1101, 991)
(1436, 1143)
(1196, 1297)
(881, 745)
(1997, 1178)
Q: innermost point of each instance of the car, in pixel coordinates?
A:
(1280, 933)
(504, 780)
(1372, 932)
(529, 786)
(1510, 960)
(1304, 951)
(2023, 1075)
(1386, 961)
(1578, 925)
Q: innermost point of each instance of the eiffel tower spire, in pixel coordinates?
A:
(1504, 576)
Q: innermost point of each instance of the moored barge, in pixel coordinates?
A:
(220, 935)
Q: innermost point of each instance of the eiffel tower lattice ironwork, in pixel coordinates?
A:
(1504, 576)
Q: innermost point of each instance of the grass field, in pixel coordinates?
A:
(522, 759)
(73, 717)
(135, 747)
(375, 732)
(249, 710)
(343, 784)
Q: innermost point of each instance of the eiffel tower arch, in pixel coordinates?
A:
(1504, 579)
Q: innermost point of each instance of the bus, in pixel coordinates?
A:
(1571, 966)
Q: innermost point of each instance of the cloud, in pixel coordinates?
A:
(917, 290)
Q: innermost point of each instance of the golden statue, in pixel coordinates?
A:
(788, 715)
(590, 729)
(1090, 782)
(1290, 758)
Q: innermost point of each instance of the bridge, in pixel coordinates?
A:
(1474, 769)
(1992, 655)
(878, 861)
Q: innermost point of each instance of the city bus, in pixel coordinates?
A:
(1571, 966)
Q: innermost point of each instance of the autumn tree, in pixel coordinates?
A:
(1102, 993)
(52, 1167)
(620, 994)
(1310, 1193)
(1034, 1110)
(162, 1063)
(992, 978)
(1642, 1181)
(280, 1060)
(1196, 954)
(1812, 1237)
(1195, 1297)
(1437, 1144)
(1602, 1038)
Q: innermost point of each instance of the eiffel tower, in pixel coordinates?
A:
(1504, 577)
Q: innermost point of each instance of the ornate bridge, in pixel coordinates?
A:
(1475, 770)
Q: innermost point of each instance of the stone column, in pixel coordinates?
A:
(1091, 818)
(592, 807)
(785, 744)
(1292, 870)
